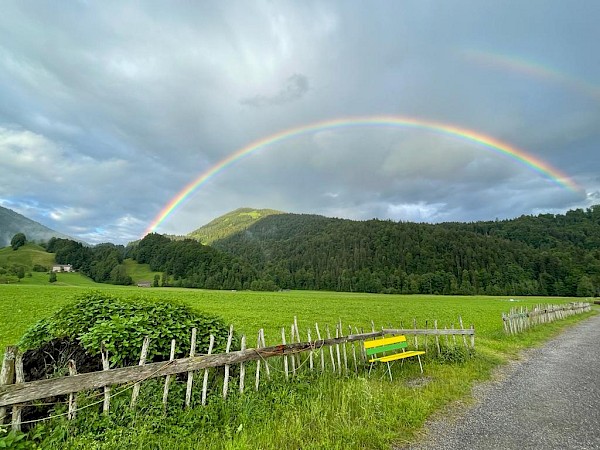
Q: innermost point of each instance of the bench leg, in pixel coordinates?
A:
(390, 371)
(420, 365)
(370, 367)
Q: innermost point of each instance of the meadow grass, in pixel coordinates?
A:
(139, 272)
(27, 255)
(309, 411)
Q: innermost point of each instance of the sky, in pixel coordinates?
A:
(109, 110)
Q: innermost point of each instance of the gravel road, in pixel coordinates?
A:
(550, 399)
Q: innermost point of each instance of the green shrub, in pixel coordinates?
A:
(122, 325)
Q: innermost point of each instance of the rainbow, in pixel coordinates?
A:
(532, 69)
(487, 142)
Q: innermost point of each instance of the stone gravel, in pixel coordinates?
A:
(549, 399)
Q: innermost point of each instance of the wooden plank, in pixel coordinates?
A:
(384, 341)
(386, 348)
(431, 332)
(35, 390)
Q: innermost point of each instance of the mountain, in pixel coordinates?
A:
(530, 255)
(229, 224)
(12, 223)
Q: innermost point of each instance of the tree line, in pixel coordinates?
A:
(548, 255)
(554, 255)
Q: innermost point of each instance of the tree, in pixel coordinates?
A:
(17, 241)
(52, 278)
(585, 288)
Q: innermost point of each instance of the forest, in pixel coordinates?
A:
(550, 255)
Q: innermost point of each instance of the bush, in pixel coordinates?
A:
(122, 325)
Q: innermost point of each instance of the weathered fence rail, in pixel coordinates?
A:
(521, 319)
(17, 393)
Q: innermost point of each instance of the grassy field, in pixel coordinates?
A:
(309, 412)
(28, 255)
(139, 272)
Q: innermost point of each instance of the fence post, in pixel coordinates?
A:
(258, 362)
(168, 377)
(7, 374)
(136, 386)
(190, 379)
(226, 380)
(105, 366)
(285, 358)
(72, 395)
(19, 378)
(264, 344)
(242, 367)
(211, 343)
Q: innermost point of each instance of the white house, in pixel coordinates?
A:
(62, 268)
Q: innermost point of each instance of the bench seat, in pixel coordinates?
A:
(391, 349)
(397, 356)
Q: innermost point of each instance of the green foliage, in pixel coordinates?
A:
(229, 224)
(97, 318)
(544, 255)
(52, 277)
(13, 439)
(39, 268)
(187, 263)
(18, 241)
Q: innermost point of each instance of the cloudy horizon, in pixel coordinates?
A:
(109, 110)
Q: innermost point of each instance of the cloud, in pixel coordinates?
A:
(294, 89)
(110, 109)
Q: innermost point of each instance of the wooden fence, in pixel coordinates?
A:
(338, 354)
(521, 319)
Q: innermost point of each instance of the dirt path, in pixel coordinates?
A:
(550, 399)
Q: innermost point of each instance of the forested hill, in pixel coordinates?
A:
(229, 224)
(543, 255)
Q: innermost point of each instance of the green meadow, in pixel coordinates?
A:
(309, 411)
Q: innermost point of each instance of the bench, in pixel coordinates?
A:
(395, 344)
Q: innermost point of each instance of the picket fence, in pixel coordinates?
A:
(338, 354)
(521, 319)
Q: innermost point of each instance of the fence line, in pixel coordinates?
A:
(520, 319)
(16, 393)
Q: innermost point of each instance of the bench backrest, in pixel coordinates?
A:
(385, 344)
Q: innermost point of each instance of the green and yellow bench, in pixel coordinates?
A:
(390, 349)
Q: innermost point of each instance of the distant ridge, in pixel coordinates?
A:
(230, 223)
(12, 223)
